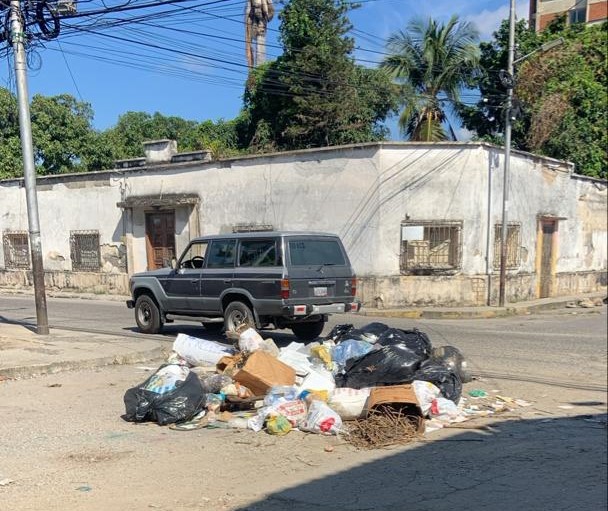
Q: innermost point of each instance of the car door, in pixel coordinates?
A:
(218, 273)
(183, 285)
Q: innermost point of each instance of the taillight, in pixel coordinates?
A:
(284, 289)
(353, 286)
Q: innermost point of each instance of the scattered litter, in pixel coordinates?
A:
(84, 488)
(54, 385)
(566, 407)
(374, 386)
(6, 481)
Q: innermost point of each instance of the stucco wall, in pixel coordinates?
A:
(362, 193)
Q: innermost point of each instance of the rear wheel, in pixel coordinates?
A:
(147, 315)
(237, 314)
(308, 331)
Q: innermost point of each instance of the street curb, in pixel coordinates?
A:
(21, 372)
(483, 313)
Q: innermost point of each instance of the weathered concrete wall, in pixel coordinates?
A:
(79, 282)
(362, 193)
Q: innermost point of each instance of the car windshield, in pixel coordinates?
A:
(315, 252)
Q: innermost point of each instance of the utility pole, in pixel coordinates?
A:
(505, 183)
(29, 169)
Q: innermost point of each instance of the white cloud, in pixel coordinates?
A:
(487, 22)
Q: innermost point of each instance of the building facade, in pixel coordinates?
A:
(542, 12)
(421, 221)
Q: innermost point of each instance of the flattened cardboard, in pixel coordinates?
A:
(262, 371)
(398, 394)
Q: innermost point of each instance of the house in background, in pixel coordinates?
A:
(421, 221)
(542, 12)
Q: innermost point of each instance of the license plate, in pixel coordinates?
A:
(320, 291)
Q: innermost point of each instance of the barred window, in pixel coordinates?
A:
(513, 243)
(84, 250)
(16, 250)
(429, 247)
(252, 228)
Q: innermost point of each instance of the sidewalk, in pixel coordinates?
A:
(24, 354)
(583, 301)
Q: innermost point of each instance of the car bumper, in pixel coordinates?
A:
(313, 310)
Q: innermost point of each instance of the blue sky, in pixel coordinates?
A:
(190, 60)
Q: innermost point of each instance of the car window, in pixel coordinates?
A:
(313, 252)
(221, 254)
(257, 253)
(194, 256)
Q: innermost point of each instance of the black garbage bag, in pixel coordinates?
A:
(181, 403)
(414, 339)
(439, 375)
(372, 331)
(339, 332)
(453, 359)
(390, 365)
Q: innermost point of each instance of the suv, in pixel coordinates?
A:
(288, 280)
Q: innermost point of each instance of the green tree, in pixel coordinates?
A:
(314, 94)
(62, 132)
(10, 143)
(432, 63)
(559, 97)
(486, 118)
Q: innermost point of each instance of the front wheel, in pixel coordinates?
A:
(308, 331)
(237, 314)
(147, 315)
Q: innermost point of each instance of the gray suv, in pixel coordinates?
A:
(284, 279)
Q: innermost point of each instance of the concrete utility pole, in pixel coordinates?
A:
(29, 169)
(505, 184)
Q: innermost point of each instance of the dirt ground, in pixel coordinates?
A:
(65, 447)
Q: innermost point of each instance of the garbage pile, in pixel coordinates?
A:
(375, 385)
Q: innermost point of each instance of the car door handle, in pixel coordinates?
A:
(194, 281)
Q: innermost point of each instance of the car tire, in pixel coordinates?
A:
(236, 314)
(147, 315)
(308, 331)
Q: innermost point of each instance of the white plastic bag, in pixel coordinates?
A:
(321, 419)
(350, 404)
(444, 409)
(319, 378)
(425, 392)
(200, 352)
(250, 340)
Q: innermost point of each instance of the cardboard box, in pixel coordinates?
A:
(398, 396)
(262, 371)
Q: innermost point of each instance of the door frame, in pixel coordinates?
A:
(149, 248)
(546, 220)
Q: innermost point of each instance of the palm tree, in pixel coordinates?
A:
(431, 62)
(257, 15)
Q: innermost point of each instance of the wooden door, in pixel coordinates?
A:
(548, 229)
(160, 239)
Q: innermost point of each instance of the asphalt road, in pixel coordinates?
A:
(566, 347)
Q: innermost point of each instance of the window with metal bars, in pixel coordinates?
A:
(84, 250)
(16, 250)
(513, 243)
(429, 247)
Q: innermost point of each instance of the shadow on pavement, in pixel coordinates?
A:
(546, 464)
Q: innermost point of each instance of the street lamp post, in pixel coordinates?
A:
(505, 183)
(510, 83)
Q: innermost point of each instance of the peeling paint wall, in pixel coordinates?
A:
(362, 193)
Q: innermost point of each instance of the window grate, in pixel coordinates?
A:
(513, 244)
(16, 250)
(252, 228)
(429, 247)
(84, 250)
